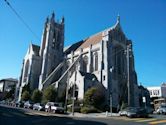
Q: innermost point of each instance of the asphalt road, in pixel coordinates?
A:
(16, 116)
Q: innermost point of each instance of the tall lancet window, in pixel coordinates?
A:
(26, 71)
(54, 40)
(85, 63)
(95, 61)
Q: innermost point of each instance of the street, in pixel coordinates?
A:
(18, 116)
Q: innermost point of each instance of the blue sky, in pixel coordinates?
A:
(143, 21)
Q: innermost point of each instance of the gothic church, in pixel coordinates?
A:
(98, 60)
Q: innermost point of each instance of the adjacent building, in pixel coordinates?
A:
(157, 91)
(98, 60)
(6, 85)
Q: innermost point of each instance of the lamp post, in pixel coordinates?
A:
(110, 92)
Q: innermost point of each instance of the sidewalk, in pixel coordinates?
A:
(94, 115)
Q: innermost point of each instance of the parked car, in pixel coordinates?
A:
(56, 108)
(38, 106)
(124, 111)
(19, 104)
(28, 104)
(48, 106)
(137, 112)
(161, 109)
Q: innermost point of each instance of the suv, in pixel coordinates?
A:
(48, 106)
(161, 109)
(54, 107)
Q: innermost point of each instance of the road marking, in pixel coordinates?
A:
(147, 120)
(157, 122)
(134, 119)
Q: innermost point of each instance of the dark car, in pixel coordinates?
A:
(137, 112)
(124, 111)
(19, 104)
(28, 104)
(38, 106)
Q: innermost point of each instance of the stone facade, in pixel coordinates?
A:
(97, 60)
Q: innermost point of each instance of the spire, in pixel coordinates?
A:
(52, 17)
(63, 20)
(117, 25)
(118, 18)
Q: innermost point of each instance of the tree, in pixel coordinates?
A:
(36, 96)
(26, 88)
(49, 94)
(10, 94)
(94, 97)
(25, 96)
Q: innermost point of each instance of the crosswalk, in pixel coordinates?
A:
(147, 121)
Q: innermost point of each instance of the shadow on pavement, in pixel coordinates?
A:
(10, 116)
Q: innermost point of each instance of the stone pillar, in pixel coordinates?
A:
(89, 69)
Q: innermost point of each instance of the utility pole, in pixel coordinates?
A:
(111, 103)
(67, 86)
(128, 73)
(74, 87)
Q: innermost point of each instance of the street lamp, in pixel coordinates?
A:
(110, 92)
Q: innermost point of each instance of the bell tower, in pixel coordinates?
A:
(52, 45)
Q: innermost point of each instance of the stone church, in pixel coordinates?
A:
(98, 60)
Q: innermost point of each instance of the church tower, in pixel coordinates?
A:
(52, 45)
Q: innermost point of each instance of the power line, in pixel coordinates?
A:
(21, 19)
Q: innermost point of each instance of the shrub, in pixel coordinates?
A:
(25, 96)
(89, 109)
(94, 97)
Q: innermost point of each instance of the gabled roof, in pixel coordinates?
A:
(89, 76)
(92, 40)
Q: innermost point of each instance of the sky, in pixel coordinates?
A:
(143, 21)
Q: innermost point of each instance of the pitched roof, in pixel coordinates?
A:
(89, 76)
(9, 79)
(92, 40)
(36, 49)
(73, 47)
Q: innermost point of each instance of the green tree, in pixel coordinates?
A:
(25, 96)
(10, 94)
(26, 88)
(49, 94)
(36, 96)
(94, 97)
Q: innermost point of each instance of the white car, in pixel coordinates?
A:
(56, 108)
(38, 106)
(161, 109)
(48, 106)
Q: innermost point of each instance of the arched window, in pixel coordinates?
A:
(26, 71)
(85, 63)
(68, 64)
(95, 61)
